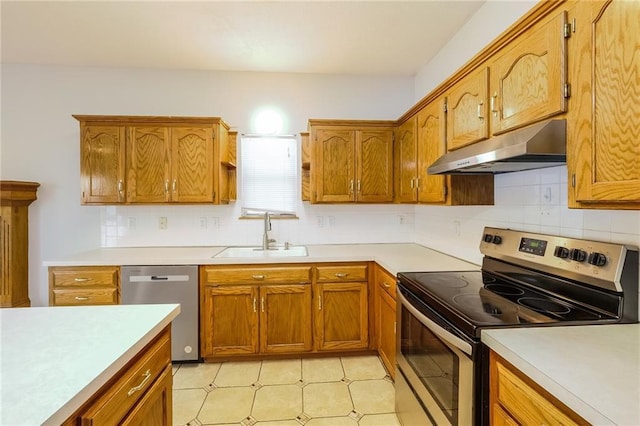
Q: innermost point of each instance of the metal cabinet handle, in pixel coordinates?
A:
(386, 285)
(82, 298)
(351, 186)
(82, 280)
(174, 186)
(358, 185)
(412, 185)
(341, 275)
(480, 115)
(262, 304)
(166, 186)
(258, 277)
(493, 103)
(417, 182)
(255, 308)
(147, 376)
(120, 191)
(319, 303)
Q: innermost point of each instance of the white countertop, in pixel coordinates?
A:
(401, 257)
(53, 359)
(594, 370)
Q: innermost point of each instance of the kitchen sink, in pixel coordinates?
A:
(258, 252)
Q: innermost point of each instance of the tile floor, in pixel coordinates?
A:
(347, 391)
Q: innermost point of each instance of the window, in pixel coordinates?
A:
(268, 167)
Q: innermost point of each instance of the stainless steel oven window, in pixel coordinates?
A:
(440, 373)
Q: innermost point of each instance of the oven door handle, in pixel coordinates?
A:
(435, 328)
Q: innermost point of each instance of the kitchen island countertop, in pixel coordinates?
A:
(594, 370)
(54, 359)
(394, 257)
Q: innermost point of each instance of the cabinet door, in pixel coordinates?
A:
(386, 327)
(431, 145)
(285, 318)
(467, 109)
(341, 316)
(192, 164)
(102, 169)
(374, 168)
(155, 408)
(406, 165)
(603, 146)
(229, 320)
(148, 179)
(335, 154)
(528, 77)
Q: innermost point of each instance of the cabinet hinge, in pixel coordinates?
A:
(444, 106)
(567, 90)
(573, 180)
(568, 28)
(445, 190)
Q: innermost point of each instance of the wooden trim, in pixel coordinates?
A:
(537, 13)
(351, 123)
(16, 193)
(150, 119)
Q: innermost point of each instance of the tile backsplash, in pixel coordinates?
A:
(533, 200)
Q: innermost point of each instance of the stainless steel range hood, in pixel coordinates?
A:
(533, 147)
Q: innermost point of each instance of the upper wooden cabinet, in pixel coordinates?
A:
(467, 108)
(529, 76)
(603, 150)
(135, 159)
(351, 161)
(419, 142)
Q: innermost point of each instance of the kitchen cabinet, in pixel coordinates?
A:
(419, 142)
(84, 285)
(102, 167)
(385, 318)
(351, 161)
(137, 159)
(603, 153)
(467, 108)
(139, 394)
(341, 307)
(15, 198)
(256, 309)
(529, 76)
(305, 175)
(516, 399)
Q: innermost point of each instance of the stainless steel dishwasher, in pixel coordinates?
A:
(143, 285)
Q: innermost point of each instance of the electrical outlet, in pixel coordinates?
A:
(320, 221)
(131, 222)
(203, 222)
(456, 228)
(162, 223)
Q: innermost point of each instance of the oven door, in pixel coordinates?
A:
(435, 367)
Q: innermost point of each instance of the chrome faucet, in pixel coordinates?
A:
(265, 237)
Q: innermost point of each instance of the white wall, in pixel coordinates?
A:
(40, 142)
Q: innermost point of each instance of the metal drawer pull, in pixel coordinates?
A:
(341, 275)
(262, 304)
(386, 285)
(255, 309)
(147, 376)
(319, 303)
(174, 186)
(82, 280)
(258, 277)
(480, 114)
(82, 298)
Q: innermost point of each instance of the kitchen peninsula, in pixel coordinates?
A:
(56, 360)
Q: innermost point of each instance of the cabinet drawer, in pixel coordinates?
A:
(132, 384)
(256, 275)
(75, 276)
(97, 296)
(341, 273)
(525, 403)
(386, 281)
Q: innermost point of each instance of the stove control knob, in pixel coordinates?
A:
(561, 252)
(578, 255)
(497, 239)
(597, 259)
(488, 238)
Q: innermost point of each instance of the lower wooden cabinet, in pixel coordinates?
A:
(84, 285)
(139, 394)
(385, 318)
(341, 307)
(515, 399)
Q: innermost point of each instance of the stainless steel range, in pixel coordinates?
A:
(526, 280)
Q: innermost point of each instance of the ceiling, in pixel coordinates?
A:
(394, 38)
